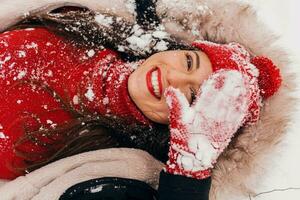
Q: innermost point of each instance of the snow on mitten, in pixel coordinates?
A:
(200, 132)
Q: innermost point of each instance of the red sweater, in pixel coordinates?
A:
(96, 79)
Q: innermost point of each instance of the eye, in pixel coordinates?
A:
(193, 95)
(189, 60)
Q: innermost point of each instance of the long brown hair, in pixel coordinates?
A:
(85, 132)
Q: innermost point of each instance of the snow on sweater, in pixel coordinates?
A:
(32, 60)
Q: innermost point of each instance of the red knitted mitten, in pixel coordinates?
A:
(200, 132)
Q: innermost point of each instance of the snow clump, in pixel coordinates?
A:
(2, 136)
(90, 95)
(143, 41)
(104, 20)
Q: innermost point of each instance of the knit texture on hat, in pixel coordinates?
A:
(269, 79)
(263, 75)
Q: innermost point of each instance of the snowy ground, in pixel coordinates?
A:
(283, 175)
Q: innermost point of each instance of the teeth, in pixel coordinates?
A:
(154, 81)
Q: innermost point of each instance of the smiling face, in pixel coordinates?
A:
(185, 70)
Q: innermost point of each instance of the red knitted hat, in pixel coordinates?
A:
(264, 76)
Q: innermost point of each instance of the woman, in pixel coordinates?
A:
(72, 88)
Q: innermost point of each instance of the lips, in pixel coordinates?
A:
(154, 84)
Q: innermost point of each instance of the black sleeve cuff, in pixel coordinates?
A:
(178, 187)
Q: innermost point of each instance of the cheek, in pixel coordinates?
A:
(156, 111)
(162, 112)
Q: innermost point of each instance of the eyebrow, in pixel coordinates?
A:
(197, 60)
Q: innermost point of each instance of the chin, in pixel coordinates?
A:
(161, 118)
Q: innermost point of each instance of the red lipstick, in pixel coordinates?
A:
(149, 82)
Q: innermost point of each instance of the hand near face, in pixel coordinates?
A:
(200, 132)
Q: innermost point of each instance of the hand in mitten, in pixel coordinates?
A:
(200, 132)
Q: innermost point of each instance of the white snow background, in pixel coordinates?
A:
(283, 174)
